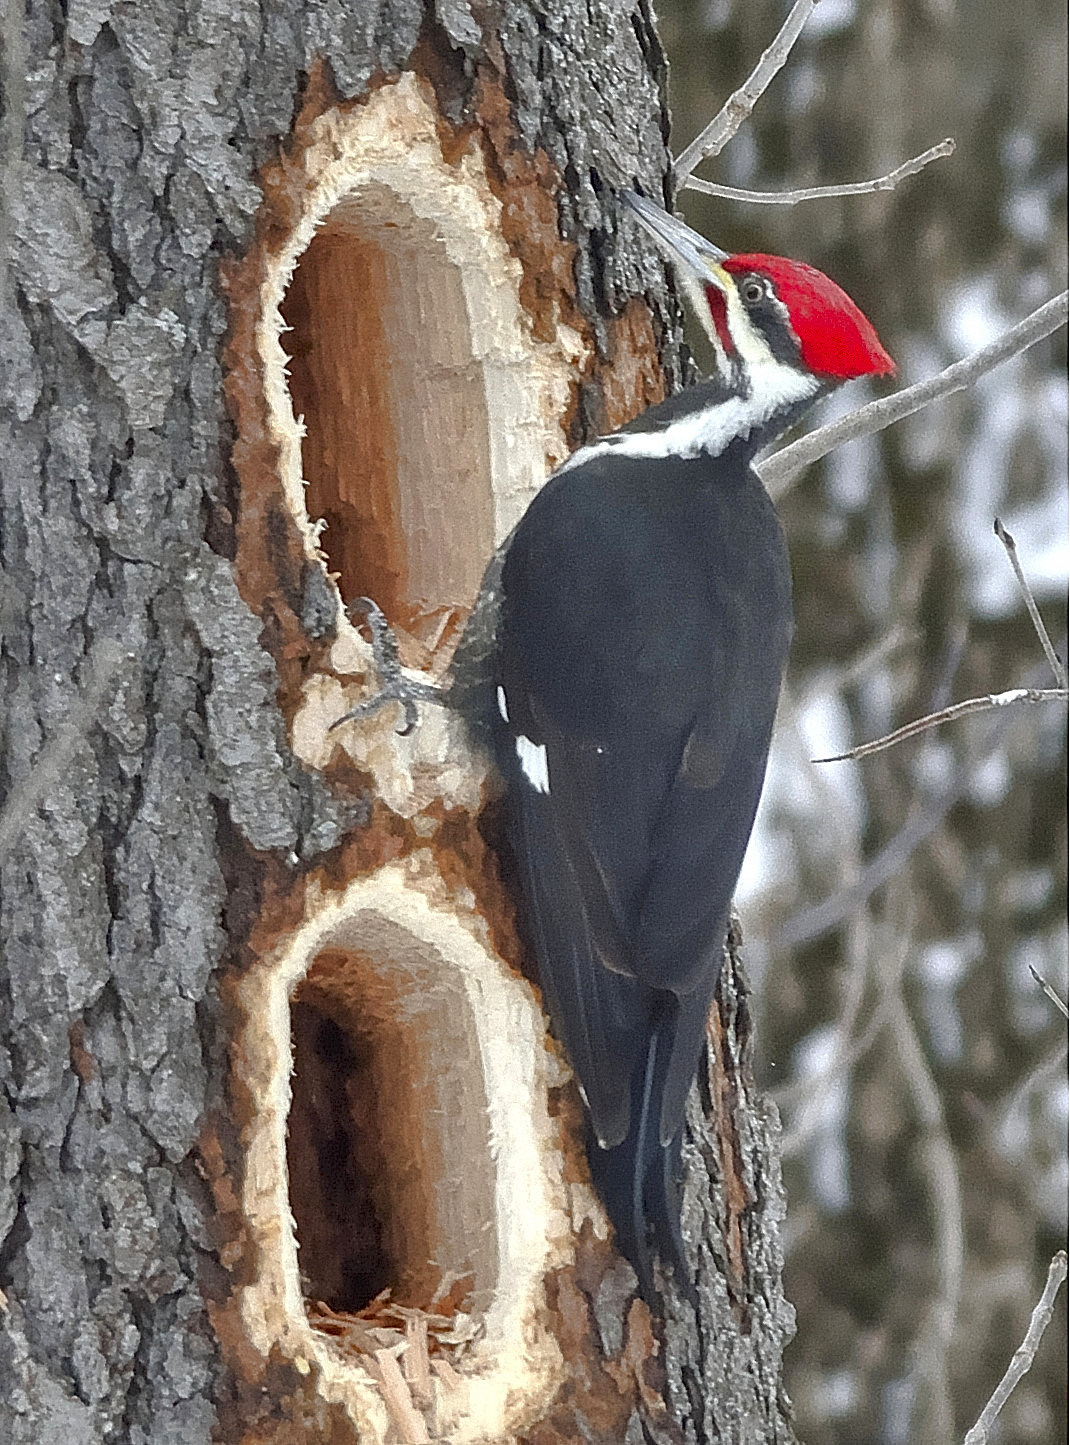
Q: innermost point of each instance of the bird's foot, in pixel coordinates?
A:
(394, 686)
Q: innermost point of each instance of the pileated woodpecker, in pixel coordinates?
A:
(625, 659)
(643, 621)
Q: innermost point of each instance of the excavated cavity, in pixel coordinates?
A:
(392, 1181)
(411, 411)
(399, 1138)
(334, 1143)
(396, 448)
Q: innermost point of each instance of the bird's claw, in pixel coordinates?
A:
(394, 685)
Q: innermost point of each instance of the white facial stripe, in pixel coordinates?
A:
(773, 386)
(749, 341)
(503, 706)
(533, 763)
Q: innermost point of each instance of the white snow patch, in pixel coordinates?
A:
(851, 471)
(1028, 213)
(974, 316)
(897, 1411)
(829, 17)
(1017, 414)
(827, 1153)
(840, 1390)
(941, 967)
(933, 766)
(1027, 889)
(991, 780)
(797, 793)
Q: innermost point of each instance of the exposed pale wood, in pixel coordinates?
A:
(416, 1362)
(409, 1421)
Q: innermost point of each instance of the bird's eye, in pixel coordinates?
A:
(753, 291)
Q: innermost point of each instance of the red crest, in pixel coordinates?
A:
(834, 337)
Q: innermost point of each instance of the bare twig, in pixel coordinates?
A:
(740, 103)
(1056, 1000)
(978, 704)
(949, 714)
(872, 953)
(1054, 661)
(104, 662)
(811, 922)
(823, 193)
(1024, 1355)
(781, 469)
(945, 1201)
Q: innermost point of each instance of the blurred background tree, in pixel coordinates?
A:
(920, 1069)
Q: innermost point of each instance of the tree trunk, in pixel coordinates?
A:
(201, 880)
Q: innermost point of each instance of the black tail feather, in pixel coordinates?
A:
(638, 1180)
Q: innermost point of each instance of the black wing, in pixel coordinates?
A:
(636, 697)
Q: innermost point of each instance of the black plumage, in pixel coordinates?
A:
(642, 632)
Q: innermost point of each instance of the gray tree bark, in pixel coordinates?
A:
(154, 814)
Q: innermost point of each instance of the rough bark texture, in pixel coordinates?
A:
(142, 849)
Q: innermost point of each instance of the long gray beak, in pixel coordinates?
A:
(679, 242)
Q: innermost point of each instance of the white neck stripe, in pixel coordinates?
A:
(775, 387)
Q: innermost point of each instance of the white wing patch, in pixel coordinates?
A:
(503, 706)
(533, 764)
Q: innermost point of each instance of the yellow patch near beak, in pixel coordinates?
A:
(720, 278)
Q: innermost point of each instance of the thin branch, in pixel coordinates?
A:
(818, 918)
(785, 465)
(884, 959)
(1056, 1000)
(1034, 615)
(977, 704)
(740, 103)
(1008, 1130)
(1025, 1354)
(823, 193)
(945, 1200)
(949, 714)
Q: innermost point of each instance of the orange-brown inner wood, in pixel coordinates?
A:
(339, 376)
(388, 1144)
(359, 1150)
(334, 1153)
(396, 450)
